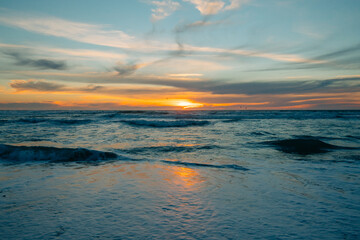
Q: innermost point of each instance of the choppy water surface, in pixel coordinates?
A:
(179, 174)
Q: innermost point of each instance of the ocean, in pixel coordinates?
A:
(180, 174)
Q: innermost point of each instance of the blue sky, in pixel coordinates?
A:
(171, 54)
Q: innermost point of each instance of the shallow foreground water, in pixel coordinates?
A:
(179, 174)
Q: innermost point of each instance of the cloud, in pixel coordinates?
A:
(99, 35)
(340, 53)
(23, 60)
(29, 106)
(77, 31)
(345, 59)
(186, 75)
(177, 81)
(310, 94)
(63, 106)
(163, 9)
(126, 69)
(207, 7)
(195, 25)
(44, 86)
(33, 85)
(292, 58)
(223, 87)
(82, 53)
(211, 7)
(336, 85)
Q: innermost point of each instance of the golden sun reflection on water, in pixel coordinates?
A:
(149, 175)
(182, 176)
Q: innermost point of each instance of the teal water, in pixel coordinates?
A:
(179, 174)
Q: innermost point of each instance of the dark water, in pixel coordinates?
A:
(179, 174)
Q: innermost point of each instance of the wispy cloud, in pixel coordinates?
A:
(163, 9)
(29, 106)
(207, 7)
(196, 25)
(186, 75)
(22, 59)
(81, 32)
(33, 85)
(211, 7)
(126, 69)
(335, 85)
(253, 53)
(83, 53)
(23, 85)
(344, 52)
(346, 58)
(100, 35)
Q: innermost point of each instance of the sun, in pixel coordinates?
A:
(185, 104)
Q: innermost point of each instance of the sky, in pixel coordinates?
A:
(179, 54)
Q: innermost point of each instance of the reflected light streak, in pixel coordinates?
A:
(183, 176)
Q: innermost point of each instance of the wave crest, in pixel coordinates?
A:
(52, 154)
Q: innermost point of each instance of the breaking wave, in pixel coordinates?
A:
(23, 154)
(191, 164)
(52, 154)
(165, 124)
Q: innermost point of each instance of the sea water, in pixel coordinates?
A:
(179, 174)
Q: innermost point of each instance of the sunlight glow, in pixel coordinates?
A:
(185, 104)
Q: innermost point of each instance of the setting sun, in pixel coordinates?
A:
(188, 104)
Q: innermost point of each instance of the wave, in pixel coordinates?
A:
(155, 149)
(191, 164)
(55, 121)
(165, 124)
(135, 112)
(303, 146)
(72, 121)
(261, 133)
(233, 120)
(147, 112)
(351, 136)
(20, 154)
(32, 120)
